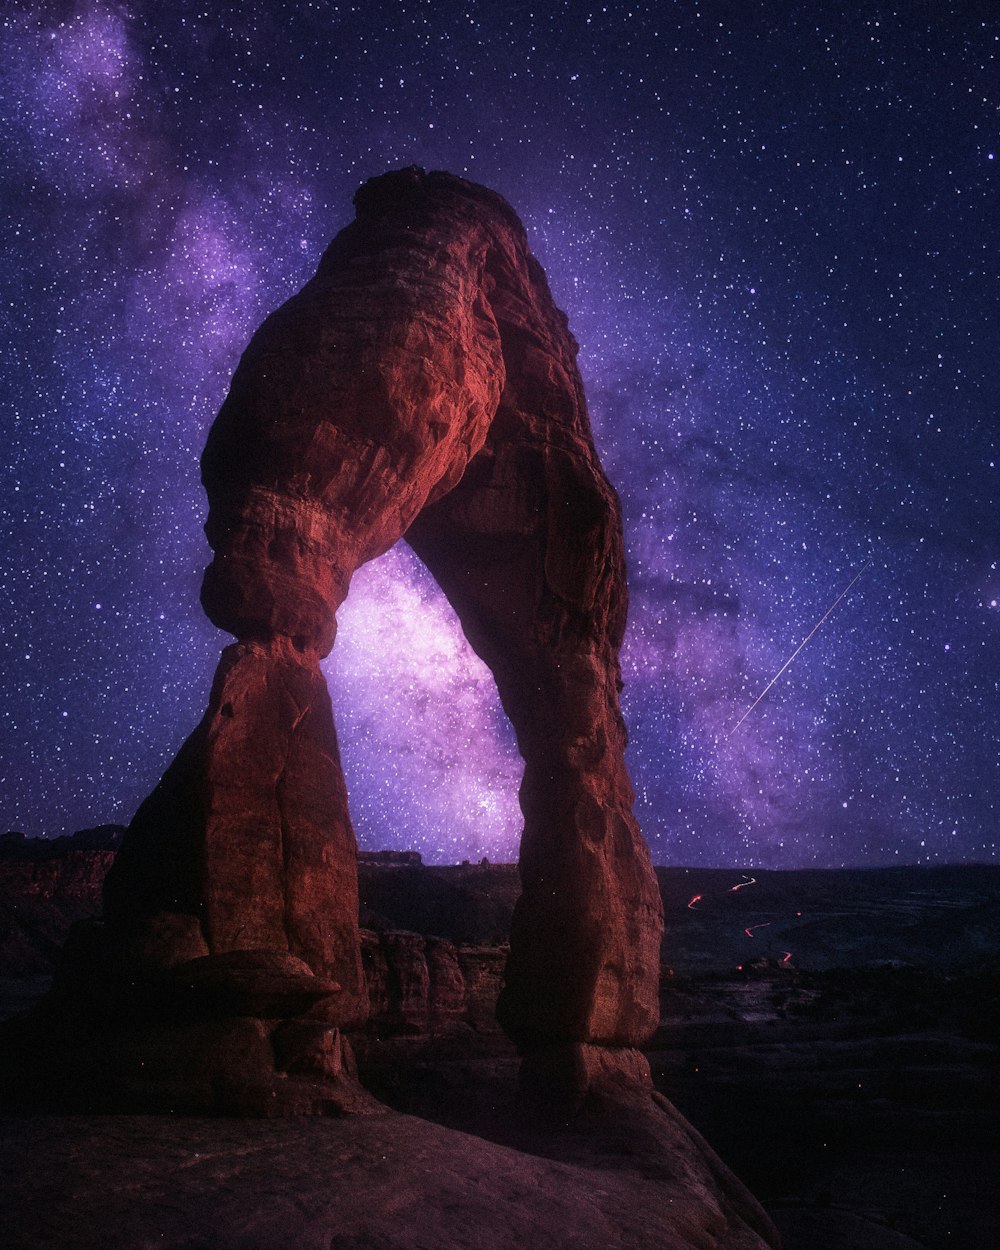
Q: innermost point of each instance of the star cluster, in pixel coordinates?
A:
(773, 230)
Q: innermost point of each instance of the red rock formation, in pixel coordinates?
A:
(425, 986)
(246, 843)
(424, 384)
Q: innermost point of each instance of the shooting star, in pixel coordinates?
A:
(843, 595)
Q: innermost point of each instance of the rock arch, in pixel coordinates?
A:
(422, 385)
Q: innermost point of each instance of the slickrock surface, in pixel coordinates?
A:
(383, 1182)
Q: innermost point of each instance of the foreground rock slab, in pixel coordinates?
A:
(384, 1182)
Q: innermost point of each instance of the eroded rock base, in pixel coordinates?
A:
(560, 1079)
(249, 1033)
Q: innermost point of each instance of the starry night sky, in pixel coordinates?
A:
(773, 227)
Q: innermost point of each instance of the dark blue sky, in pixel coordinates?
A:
(773, 229)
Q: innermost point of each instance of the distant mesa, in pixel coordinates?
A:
(17, 845)
(391, 859)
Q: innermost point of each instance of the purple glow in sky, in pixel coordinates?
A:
(407, 686)
(775, 244)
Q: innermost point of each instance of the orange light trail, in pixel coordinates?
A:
(842, 595)
(763, 925)
(742, 885)
(695, 899)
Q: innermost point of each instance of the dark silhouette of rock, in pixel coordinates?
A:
(422, 384)
(47, 884)
(470, 903)
(19, 848)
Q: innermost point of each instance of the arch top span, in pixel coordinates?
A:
(365, 397)
(423, 385)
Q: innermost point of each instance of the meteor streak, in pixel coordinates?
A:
(842, 595)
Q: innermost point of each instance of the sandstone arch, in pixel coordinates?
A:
(421, 385)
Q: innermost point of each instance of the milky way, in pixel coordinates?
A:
(775, 241)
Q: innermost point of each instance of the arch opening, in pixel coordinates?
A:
(428, 754)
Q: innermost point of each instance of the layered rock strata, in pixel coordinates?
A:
(422, 384)
(421, 986)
